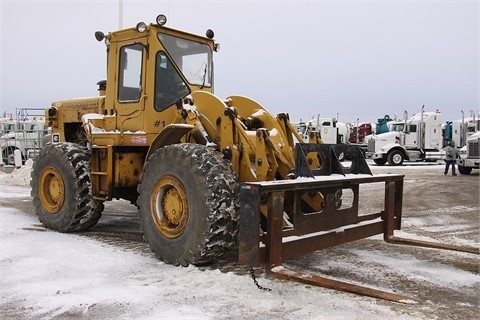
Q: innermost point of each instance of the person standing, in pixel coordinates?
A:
(451, 155)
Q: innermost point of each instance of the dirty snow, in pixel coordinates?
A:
(49, 275)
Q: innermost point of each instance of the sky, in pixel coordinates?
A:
(342, 59)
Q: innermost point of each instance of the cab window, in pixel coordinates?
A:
(193, 59)
(130, 73)
(169, 86)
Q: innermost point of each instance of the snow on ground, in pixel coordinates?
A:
(49, 275)
(45, 274)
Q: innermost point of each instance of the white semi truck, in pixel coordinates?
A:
(331, 131)
(471, 159)
(26, 136)
(418, 138)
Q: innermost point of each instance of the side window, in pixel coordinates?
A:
(130, 73)
(413, 128)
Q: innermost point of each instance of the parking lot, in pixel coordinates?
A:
(444, 284)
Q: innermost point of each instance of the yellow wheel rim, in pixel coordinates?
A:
(51, 189)
(315, 160)
(169, 207)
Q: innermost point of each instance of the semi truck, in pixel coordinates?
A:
(471, 159)
(330, 130)
(418, 138)
(24, 135)
(359, 132)
(460, 130)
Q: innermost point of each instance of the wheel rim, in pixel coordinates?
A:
(51, 189)
(11, 159)
(315, 160)
(169, 207)
(10, 156)
(397, 158)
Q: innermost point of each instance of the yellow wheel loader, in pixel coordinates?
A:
(207, 174)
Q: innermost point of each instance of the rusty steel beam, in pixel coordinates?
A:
(282, 273)
(304, 245)
(433, 245)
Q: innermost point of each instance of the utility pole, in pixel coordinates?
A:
(120, 14)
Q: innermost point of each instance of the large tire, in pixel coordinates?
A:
(464, 170)
(188, 204)
(61, 189)
(395, 158)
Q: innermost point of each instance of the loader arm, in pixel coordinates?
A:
(260, 147)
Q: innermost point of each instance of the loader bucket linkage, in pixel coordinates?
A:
(311, 231)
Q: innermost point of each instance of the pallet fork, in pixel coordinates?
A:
(331, 226)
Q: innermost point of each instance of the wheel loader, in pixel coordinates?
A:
(208, 175)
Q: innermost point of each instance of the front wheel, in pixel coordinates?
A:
(8, 155)
(395, 158)
(380, 162)
(464, 170)
(188, 204)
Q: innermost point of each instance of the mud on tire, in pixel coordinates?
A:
(188, 204)
(61, 188)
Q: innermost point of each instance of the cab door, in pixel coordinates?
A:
(130, 90)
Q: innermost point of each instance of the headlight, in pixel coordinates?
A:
(210, 34)
(161, 19)
(52, 112)
(141, 27)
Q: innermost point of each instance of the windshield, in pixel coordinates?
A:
(169, 86)
(398, 127)
(194, 59)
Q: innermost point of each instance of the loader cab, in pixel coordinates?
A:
(150, 68)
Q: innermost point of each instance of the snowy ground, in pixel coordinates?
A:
(49, 275)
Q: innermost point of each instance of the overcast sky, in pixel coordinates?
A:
(351, 59)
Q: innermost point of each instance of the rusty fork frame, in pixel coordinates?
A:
(319, 230)
(314, 231)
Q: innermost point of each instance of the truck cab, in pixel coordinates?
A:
(471, 158)
(329, 129)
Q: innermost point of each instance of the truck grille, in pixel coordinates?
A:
(371, 145)
(473, 149)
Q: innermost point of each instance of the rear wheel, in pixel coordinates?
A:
(61, 189)
(188, 204)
